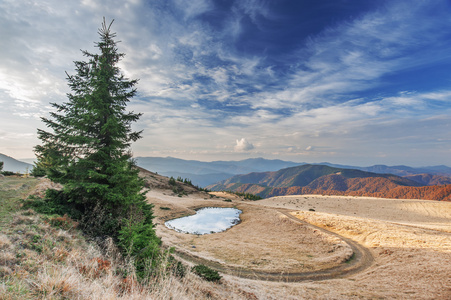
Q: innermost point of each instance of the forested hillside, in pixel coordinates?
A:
(320, 179)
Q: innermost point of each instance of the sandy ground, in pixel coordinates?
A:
(410, 242)
(424, 213)
(265, 240)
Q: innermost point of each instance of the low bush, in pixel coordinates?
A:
(138, 240)
(38, 171)
(248, 196)
(206, 273)
(176, 267)
(8, 173)
(202, 189)
(63, 222)
(52, 204)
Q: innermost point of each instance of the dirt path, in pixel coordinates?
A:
(402, 247)
(361, 260)
(255, 222)
(424, 213)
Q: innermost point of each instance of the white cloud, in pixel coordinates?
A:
(243, 145)
(197, 90)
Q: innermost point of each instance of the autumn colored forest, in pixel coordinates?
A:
(440, 193)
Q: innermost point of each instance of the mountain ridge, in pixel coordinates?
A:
(14, 165)
(322, 179)
(200, 171)
(306, 174)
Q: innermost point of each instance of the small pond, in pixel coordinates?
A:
(206, 220)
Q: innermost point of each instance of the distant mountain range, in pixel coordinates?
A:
(276, 177)
(323, 179)
(206, 173)
(14, 165)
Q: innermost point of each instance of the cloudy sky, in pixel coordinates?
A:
(344, 81)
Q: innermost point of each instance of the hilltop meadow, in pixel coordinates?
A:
(290, 247)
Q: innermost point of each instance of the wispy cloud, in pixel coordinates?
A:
(211, 71)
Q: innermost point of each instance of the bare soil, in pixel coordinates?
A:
(265, 239)
(409, 242)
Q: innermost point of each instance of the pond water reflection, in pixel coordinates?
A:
(206, 220)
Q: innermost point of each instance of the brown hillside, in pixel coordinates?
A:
(330, 182)
(336, 182)
(154, 181)
(251, 188)
(362, 187)
(436, 192)
(440, 193)
(317, 179)
(371, 185)
(429, 179)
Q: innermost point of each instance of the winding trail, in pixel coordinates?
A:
(361, 260)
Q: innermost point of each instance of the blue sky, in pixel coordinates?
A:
(352, 82)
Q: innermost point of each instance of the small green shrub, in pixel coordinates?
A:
(165, 208)
(350, 258)
(36, 247)
(8, 173)
(227, 200)
(202, 189)
(177, 267)
(44, 206)
(206, 273)
(248, 196)
(38, 171)
(138, 240)
(36, 238)
(54, 203)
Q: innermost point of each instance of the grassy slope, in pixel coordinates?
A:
(46, 257)
(12, 189)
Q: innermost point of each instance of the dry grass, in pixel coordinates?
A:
(39, 260)
(43, 257)
(409, 240)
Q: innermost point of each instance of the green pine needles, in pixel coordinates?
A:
(87, 150)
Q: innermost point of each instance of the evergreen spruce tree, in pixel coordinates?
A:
(88, 149)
